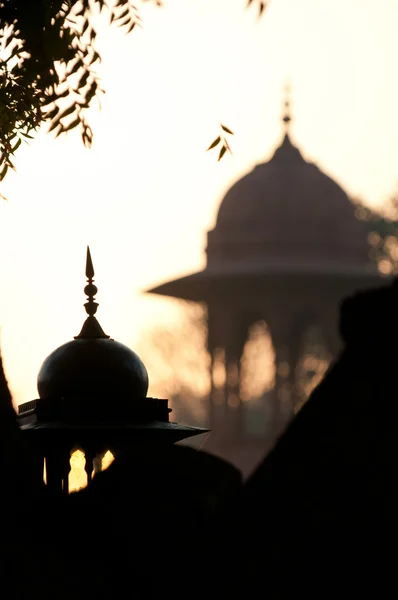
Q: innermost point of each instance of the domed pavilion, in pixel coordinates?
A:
(286, 248)
(93, 397)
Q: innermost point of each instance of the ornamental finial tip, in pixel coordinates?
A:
(287, 116)
(90, 290)
(89, 265)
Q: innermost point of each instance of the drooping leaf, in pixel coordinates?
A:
(214, 143)
(53, 125)
(262, 8)
(222, 152)
(16, 145)
(52, 113)
(123, 14)
(125, 21)
(225, 128)
(72, 125)
(3, 172)
(83, 80)
(68, 111)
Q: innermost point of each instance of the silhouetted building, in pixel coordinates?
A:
(93, 396)
(286, 248)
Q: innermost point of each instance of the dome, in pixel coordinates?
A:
(284, 223)
(92, 367)
(288, 211)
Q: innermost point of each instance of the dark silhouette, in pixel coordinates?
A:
(318, 518)
(324, 502)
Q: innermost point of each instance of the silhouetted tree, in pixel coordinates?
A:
(382, 234)
(47, 61)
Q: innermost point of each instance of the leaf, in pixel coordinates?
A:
(79, 63)
(222, 152)
(94, 58)
(68, 111)
(59, 130)
(52, 113)
(18, 143)
(53, 125)
(262, 8)
(3, 172)
(126, 21)
(90, 94)
(227, 130)
(123, 14)
(214, 143)
(72, 125)
(83, 80)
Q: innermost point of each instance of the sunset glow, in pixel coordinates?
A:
(146, 193)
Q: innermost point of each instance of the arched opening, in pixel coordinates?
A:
(77, 473)
(257, 379)
(313, 363)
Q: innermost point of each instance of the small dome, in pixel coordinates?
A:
(93, 367)
(93, 395)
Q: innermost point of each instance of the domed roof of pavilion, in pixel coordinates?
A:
(284, 217)
(291, 206)
(288, 212)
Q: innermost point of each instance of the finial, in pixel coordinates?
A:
(287, 117)
(91, 328)
(89, 265)
(90, 290)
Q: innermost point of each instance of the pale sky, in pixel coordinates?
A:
(146, 193)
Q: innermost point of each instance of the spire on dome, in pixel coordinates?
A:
(91, 328)
(287, 116)
(287, 150)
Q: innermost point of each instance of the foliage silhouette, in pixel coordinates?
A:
(48, 56)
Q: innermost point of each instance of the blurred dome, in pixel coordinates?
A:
(287, 211)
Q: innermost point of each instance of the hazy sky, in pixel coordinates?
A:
(146, 193)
